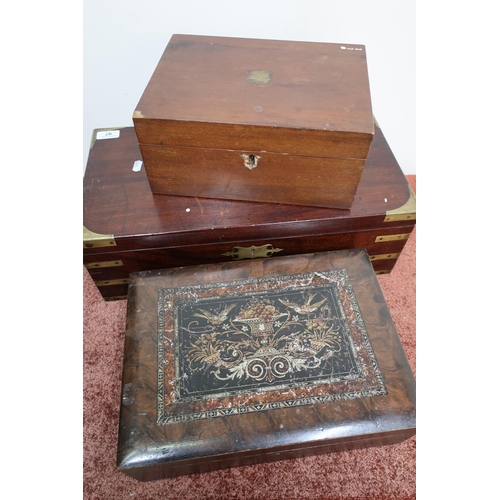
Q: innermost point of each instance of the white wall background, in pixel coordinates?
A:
(124, 39)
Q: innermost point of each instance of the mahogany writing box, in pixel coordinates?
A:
(257, 120)
(128, 229)
(246, 362)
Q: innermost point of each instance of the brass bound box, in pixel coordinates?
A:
(128, 229)
(245, 362)
(257, 120)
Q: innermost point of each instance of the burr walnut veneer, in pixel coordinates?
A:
(243, 362)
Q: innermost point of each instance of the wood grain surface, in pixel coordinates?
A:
(312, 86)
(118, 200)
(214, 173)
(149, 451)
(160, 231)
(304, 109)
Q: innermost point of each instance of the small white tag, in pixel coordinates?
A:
(137, 166)
(107, 134)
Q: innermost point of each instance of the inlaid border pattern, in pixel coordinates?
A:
(368, 381)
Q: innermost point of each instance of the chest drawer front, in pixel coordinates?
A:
(383, 255)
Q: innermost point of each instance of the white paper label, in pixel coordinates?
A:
(107, 134)
(137, 166)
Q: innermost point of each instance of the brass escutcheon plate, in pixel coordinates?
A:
(253, 252)
(250, 161)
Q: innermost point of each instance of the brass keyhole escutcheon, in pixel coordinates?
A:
(252, 252)
(250, 161)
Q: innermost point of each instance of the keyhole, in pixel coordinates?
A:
(250, 161)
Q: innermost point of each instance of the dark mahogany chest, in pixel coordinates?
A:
(246, 362)
(128, 229)
(257, 120)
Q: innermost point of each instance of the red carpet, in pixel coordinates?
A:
(375, 473)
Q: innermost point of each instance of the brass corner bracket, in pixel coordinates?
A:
(96, 240)
(408, 211)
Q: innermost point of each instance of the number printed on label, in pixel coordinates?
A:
(107, 134)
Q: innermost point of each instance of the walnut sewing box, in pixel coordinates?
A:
(254, 361)
(257, 120)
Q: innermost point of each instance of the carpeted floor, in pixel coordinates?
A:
(376, 473)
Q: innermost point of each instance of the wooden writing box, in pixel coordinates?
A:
(128, 229)
(257, 120)
(247, 362)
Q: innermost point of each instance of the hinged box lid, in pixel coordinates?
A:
(217, 108)
(304, 98)
(238, 363)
